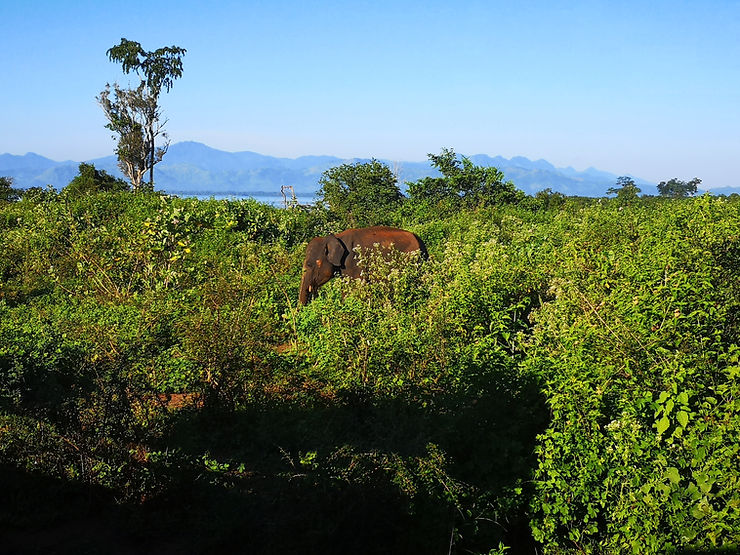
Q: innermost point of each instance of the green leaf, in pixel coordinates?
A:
(703, 481)
(672, 474)
(663, 424)
(683, 418)
(693, 492)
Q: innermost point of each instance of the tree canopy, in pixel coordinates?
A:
(626, 190)
(360, 194)
(463, 183)
(8, 193)
(677, 188)
(91, 180)
(158, 69)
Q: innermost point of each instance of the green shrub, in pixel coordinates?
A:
(563, 363)
(638, 350)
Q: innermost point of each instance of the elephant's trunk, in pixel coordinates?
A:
(305, 289)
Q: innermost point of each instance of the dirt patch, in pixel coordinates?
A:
(174, 401)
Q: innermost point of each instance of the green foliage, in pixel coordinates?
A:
(462, 184)
(561, 374)
(7, 192)
(626, 190)
(639, 349)
(36, 361)
(39, 194)
(91, 181)
(158, 69)
(360, 194)
(549, 200)
(677, 188)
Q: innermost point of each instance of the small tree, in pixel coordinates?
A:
(8, 193)
(463, 183)
(677, 188)
(547, 199)
(626, 189)
(91, 180)
(134, 114)
(360, 194)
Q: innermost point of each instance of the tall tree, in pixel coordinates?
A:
(134, 114)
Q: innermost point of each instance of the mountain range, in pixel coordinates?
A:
(194, 169)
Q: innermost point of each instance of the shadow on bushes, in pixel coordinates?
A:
(359, 475)
(364, 475)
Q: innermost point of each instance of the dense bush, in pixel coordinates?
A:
(560, 371)
(461, 184)
(638, 350)
(360, 194)
(89, 181)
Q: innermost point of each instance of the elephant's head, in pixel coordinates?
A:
(324, 257)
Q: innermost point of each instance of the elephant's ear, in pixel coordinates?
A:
(334, 250)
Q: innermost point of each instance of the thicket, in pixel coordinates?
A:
(561, 374)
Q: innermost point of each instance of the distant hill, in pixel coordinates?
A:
(191, 168)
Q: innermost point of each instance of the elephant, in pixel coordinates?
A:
(337, 254)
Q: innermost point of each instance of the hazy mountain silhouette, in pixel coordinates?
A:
(191, 168)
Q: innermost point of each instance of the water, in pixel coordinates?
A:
(264, 199)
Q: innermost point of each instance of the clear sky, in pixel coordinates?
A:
(648, 88)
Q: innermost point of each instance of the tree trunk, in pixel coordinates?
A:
(151, 168)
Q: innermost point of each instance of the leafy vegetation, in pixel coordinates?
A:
(462, 184)
(360, 194)
(626, 190)
(91, 180)
(8, 193)
(561, 374)
(678, 188)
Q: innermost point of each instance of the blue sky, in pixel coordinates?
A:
(650, 89)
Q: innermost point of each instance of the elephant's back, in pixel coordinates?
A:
(385, 236)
